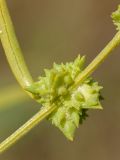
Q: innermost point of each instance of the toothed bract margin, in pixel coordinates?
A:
(71, 105)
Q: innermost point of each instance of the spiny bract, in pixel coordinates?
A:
(72, 104)
(116, 17)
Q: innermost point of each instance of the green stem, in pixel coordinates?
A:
(20, 71)
(43, 113)
(12, 48)
(98, 60)
(18, 66)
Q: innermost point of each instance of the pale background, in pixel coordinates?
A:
(57, 30)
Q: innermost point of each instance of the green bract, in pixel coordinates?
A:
(72, 104)
(116, 18)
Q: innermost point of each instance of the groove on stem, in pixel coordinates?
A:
(18, 66)
(43, 113)
(11, 47)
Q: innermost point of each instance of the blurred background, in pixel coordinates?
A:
(57, 31)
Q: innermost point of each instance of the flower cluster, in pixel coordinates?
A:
(116, 18)
(71, 103)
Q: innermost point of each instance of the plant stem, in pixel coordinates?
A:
(12, 48)
(43, 113)
(98, 60)
(20, 71)
(18, 66)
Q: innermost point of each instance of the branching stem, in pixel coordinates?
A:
(18, 66)
(16, 61)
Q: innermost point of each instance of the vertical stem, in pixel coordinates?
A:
(20, 71)
(12, 48)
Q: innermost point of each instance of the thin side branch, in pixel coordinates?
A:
(98, 59)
